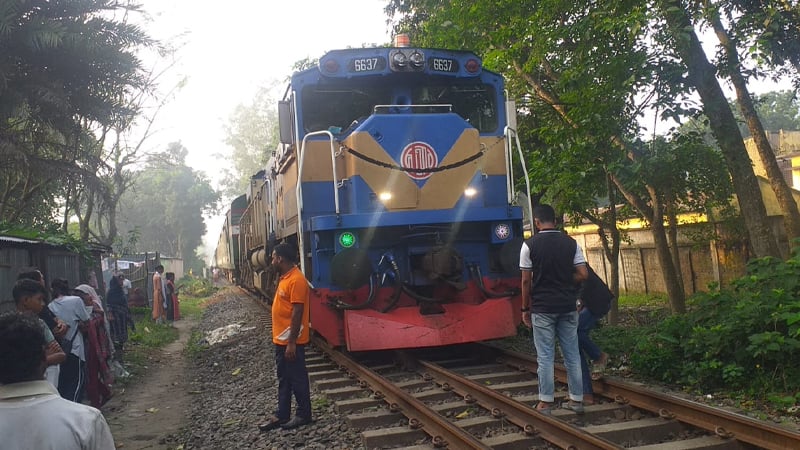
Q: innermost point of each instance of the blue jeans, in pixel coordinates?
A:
(292, 379)
(546, 327)
(586, 323)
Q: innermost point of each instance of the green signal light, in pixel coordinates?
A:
(347, 239)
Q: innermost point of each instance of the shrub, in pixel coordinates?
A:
(196, 287)
(743, 338)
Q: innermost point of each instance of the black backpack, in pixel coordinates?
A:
(595, 295)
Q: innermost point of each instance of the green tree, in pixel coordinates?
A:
(165, 207)
(64, 64)
(251, 134)
(769, 32)
(117, 152)
(778, 110)
(585, 95)
(681, 40)
(732, 67)
(586, 100)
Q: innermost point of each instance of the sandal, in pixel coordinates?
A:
(599, 367)
(544, 408)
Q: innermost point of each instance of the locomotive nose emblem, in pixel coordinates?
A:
(419, 155)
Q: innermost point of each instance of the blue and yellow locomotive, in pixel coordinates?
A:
(394, 179)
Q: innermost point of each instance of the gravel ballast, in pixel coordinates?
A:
(234, 387)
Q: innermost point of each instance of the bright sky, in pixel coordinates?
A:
(231, 49)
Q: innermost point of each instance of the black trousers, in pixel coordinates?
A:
(72, 378)
(292, 380)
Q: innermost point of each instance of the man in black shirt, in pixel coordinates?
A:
(553, 266)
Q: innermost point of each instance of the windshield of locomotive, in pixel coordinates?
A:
(343, 106)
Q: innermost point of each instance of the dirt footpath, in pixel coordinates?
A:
(153, 407)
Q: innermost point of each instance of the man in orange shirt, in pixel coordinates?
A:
(290, 334)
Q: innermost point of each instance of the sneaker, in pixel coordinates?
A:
(576, 407)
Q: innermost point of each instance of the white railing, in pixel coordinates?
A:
(299, 190)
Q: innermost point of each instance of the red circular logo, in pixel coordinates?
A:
(419, 155)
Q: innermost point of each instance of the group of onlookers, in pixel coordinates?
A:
(166, 308)
(57, 351)
(55, 354)
(81, 335)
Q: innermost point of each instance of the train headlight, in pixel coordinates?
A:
(385, 196)
(502, 231)
(347, 239)
(417, 60)
(399, 60)
(470, 192)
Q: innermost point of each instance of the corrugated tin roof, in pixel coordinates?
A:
(19, 240)
(92, 246)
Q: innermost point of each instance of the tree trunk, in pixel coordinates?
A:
(702, 74)
(67, 199)
(675, 292)
(610, 240)
(791, 216)
(85, 221)
(677, 297)
(612, 253)
(672, 238)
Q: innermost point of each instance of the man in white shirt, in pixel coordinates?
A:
(73, 311)
(26, 398)
(126, 285)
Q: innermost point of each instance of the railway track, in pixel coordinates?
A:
(479, 397)
(482, 397)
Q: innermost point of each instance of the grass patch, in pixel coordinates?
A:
(320, 403)
(152, 335)
(639, 300)
(147, 337)
(193, 347)
(192, 307)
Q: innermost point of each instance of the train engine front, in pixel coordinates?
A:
(397, 161)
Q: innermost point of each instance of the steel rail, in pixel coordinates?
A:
(552, 430)
(720, 422)
(444, 434)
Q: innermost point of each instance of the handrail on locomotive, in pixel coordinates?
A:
(299, 190)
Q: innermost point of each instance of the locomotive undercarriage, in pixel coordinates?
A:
(426, 266)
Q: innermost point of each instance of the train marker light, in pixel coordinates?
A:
(347, 239)
(472, 66)
(470, 192)
(331, 66)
